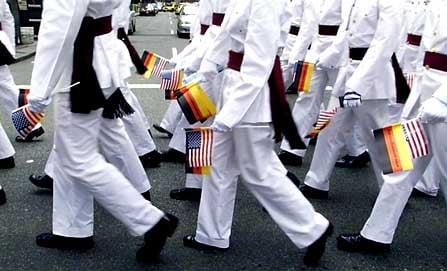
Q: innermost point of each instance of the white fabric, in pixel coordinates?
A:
(249, 151)
(370, 115)
(7, 35)
(8, 98)
(136, 127)
(61, 21)
(81, 174)
(171, 117)
(6, 148)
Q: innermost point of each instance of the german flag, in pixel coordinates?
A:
(392, 141)
(195, 103)
(303, 76)
(155, 64)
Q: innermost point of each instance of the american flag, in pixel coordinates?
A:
(323, 120)
(171, 79)
(411, 77)
(160, 65)
(199, 144)
(24, 120)
(416, 138)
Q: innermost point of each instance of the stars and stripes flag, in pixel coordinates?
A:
(154, 63)
(411, 77)
(324, 118)
(25, 120)
(416, 138)
(199, 146)
(171, 80)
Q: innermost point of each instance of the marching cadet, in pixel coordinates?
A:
(69, 30)
(252, 32)
(369, 35)
(6, 81)
(411, 60)
(302, 31)
(378, 231)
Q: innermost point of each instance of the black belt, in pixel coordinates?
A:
(414, 39)
(357, 53)
(203, 28)
(218, 18)
(294, 30)
(435, 61)
(328, 30)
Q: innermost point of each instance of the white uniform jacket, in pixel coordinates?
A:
(252, 27)
(304, 16)
(414, 25)
(374, 25)
(61, 21)
(330, 14)
(435, 39)
(7, 34)
(120, 19)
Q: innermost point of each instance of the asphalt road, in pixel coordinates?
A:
(257, 243)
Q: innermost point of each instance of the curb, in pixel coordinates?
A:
(25, 57)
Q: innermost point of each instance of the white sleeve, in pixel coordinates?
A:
(260, 48)
(121, 15)
(8, 23)
(61, 21)
(308, 30)
(381, 49)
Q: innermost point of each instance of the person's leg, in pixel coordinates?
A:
(171, 117)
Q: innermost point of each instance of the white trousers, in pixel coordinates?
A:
(136, 125)
(308, 105)
(172, 117)
(250, 152)
(372, 114)
(9, 98)
(82, 175)
(396, 190)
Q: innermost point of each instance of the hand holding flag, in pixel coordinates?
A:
(25, 120)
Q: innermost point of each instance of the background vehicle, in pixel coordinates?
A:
(132, 22)
(147, 8)
(178, 8)
(185, 19)
(169, 7)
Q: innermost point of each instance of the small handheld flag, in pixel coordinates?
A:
(195, 103)
(302, 77)
(171, 80)
(323, 121)
(25, 120)
(402, 142)
(154, 64)
(199, 148)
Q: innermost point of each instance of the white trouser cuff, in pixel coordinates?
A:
(312, 181)
(193, 181)
(321, 225)
(376, 236)
(72, 231)
(221, 243)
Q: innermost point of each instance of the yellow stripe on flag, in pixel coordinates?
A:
(308, 77)
(205, 105)
(150, 66)
(402, 147)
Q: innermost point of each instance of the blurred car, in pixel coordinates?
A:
(147, 8)
(185, 19)
(132, 22)
(169, 7)
(178, 9)
(159, 6)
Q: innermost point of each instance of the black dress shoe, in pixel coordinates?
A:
(50, 240)
(310, 192)
(191, 194)
(151, 159)
(173, 156)
(45, 181)
(316, 249)
(162, 130)
(357, 243)
(354, 161)
(155, 239)
(31, 136)
(190, 241)
(419, 194)
(147, 195)
(290, 159)
(7, 163)
(294, 179)
(2, 196)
